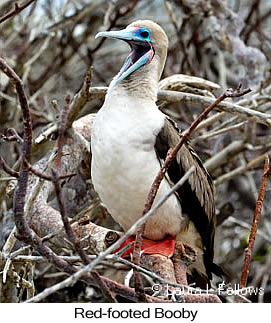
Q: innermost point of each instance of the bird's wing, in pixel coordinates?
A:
(197, 194)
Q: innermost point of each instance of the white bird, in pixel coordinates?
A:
(129, 142)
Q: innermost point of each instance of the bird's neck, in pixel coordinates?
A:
(143, 83)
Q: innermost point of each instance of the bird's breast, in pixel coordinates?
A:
(124, 165)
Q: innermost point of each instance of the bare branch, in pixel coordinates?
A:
(254, 226)
(189, 98)
(7, 169)
(17, 9)
(20, 192)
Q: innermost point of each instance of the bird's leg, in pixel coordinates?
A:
(184, 256)
(163, 247)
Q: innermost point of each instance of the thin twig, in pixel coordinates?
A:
(44, 176)
(61, 131)
(8, 169)
(80, 99)
(254, 226)
(229, 107)
(219, 132)
(245, 225)
(7, 179)
(78, 102)
(226, 154)
(14, 136)
(240, 170)
(116, 287)
(17, 9)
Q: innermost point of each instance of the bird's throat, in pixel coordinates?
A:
(141, 55)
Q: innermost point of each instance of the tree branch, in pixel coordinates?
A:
(254, 226)
(17, 9)
(8, 169)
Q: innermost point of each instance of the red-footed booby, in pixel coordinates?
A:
(129, 143)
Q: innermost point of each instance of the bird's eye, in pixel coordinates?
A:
(144, 34)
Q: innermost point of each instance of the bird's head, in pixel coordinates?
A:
(148, 43)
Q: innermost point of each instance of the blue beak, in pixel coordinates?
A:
(124, 34)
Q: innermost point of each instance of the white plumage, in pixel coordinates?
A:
(125, 164)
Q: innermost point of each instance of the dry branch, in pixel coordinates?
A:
(17, 9)
(254, 226)
(174, 97)
(189, 98)
(7, 169)
(20, 192)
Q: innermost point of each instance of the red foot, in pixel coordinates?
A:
(163, 247)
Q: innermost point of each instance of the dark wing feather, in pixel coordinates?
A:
(197, 194)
